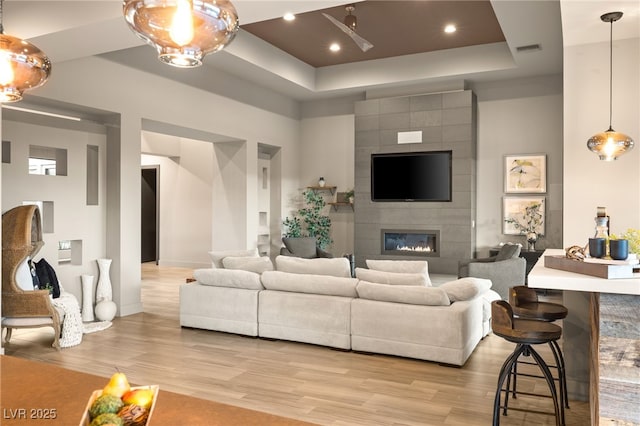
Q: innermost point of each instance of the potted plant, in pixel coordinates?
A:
(349, 195)
(309, 220)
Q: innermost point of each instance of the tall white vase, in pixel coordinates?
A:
(103, 290)
(87, 298)
(105, 308)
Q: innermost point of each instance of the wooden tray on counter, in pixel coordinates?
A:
(600, 270)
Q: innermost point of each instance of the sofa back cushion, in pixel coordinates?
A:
(251, 264)
(410, 294)
(309, 283)
(228, 278)
(336, 267)
(401, 266)
(217, 256)
(395, 278)
(465, 288)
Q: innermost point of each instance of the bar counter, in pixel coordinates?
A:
(601, 340)
(39, 393)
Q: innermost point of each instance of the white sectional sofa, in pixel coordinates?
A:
(394, 311)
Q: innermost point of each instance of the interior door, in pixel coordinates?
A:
(149, 215)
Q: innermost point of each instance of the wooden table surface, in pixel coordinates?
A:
(43, 394)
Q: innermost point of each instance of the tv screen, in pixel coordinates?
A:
(411, 176)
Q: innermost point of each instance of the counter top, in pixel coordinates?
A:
(555, 279)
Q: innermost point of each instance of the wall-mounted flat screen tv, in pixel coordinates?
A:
(411, 176)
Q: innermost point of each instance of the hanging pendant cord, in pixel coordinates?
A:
(610, 74)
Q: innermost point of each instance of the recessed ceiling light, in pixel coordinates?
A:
(450, 28)
(289, 16)
(335, 47)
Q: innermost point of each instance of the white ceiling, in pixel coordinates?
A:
(67, 30)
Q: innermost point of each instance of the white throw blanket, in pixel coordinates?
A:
(72, 326)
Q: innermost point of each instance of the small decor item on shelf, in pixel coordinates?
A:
(349, 195)
(532, 237)
(602, 223)
(321, 182)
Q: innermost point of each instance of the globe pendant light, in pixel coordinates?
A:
(609, 145)
(22, 66)
(183, 31)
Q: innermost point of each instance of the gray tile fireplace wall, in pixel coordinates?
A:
(447, 122)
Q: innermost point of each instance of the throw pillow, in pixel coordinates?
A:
(251, 264)
(466, 288)
(408, 266)
(301, 246)
(217, 256)
(337, 266)
(395, 278)
(411, 294)
(228, 278)
(508, 251)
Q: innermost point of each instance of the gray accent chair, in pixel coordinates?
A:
(505, 270)
(305, 247)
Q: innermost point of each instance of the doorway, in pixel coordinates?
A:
(149, 214)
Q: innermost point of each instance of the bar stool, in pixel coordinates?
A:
(525, 304)
(524, 333)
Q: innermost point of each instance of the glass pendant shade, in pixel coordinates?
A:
(183, 31)
(22, 66)
(609, 145)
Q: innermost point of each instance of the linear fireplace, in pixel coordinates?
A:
(410, 242)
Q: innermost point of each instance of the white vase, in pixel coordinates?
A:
(87, 298)
(106, 310)
(103, 290)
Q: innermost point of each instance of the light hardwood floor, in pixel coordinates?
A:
(307, 382)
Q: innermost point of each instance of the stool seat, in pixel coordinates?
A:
(545, 311)
(530, 332)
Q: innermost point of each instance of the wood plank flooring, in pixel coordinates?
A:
(306, 382)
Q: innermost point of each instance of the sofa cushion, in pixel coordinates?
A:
(251, 264)
(310, 283)
(337, 267)
(405, 266)
(508, 251)
(396, 278)
(465, 288)
(411, 294)
(217, 256)
(301, 246)
(228, 278)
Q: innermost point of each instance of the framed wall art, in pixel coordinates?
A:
(523, 215)
(525, 174)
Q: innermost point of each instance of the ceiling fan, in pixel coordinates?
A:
(349, 27)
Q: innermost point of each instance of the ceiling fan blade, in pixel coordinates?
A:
(363, 44)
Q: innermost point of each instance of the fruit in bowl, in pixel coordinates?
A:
(120, 404)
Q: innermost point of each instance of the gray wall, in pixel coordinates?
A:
(448, 123)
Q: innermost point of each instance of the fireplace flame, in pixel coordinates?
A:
(414, 248)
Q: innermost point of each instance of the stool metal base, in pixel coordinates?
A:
(505, 374)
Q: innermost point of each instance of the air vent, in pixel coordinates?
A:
(528, 48)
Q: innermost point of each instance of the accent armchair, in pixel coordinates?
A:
(22, 237)
(505, 270)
